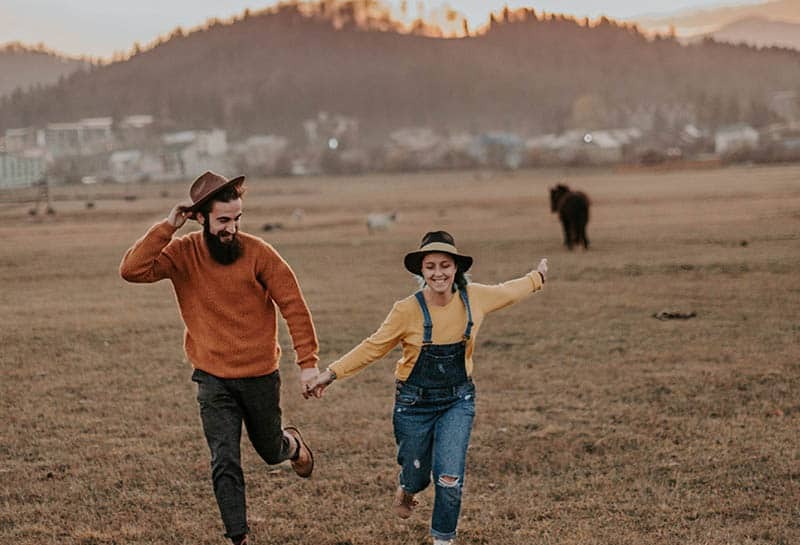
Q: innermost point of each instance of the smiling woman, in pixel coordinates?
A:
(435, 397)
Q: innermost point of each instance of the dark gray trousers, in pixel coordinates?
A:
(224, 405)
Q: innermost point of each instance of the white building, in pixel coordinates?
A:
(20, 140)
(579, 145)
(190, 153)
(21, 170)
(86, 137)
(261, 153)
(126, 166)
(733, 138)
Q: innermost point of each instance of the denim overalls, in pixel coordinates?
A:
(433, 413)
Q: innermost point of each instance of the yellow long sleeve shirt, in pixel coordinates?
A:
(404, 325)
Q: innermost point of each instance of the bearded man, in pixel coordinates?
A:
(228, 285)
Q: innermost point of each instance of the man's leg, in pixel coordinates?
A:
(261, 398)
(222, 425)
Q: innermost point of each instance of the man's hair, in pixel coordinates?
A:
(230, 193)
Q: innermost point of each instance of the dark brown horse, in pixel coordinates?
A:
(573, 211)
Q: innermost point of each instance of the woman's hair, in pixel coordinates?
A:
(461, 281)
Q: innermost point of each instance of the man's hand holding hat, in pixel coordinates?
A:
(180, 213)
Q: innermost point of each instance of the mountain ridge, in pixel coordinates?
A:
(694, 23)
(268, 72)
(23, 67)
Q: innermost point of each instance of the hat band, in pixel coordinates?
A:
(439, 247)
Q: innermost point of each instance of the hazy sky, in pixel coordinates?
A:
(101, 27)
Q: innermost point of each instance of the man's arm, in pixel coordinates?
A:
(285, 291)
(145, 261)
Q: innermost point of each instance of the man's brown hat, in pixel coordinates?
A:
(207, 185)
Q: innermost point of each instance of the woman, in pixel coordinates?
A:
(435, 397)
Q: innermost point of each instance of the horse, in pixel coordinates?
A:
(573, 211)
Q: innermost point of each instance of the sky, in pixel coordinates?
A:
(99, 28)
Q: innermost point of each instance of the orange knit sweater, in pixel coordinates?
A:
(229, 310)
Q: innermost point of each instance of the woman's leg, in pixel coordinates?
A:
(450, 442)
(413, 433)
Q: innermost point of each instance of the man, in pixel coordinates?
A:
(228, 284)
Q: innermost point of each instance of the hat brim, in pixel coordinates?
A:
(205, 198)
(413, 260)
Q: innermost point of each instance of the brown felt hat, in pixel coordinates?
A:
(436, 241)
(207, 185)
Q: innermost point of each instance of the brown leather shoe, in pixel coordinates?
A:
(303, 464)
(404, 503)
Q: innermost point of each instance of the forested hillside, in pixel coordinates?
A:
(528, 72)
(23, 67)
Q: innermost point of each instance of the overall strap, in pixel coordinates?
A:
(468, 332)
(427, 324)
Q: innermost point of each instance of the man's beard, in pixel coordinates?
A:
(223, 253)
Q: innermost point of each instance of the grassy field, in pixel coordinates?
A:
(597, 423)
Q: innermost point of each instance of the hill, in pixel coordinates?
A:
(25, 67)
(760, 32)
(699, 22)
(269, 71)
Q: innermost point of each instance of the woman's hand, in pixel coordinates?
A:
(542, 268)
(308, 376)
(316, 387)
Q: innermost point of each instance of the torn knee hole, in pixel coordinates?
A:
(448, 481)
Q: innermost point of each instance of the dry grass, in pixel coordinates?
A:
(597, 424)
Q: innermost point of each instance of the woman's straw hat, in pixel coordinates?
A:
(436, 241)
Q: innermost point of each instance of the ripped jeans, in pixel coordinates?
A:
(432, 428)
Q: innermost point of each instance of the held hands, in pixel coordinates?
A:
(316, 387)
(308, 376)
(542, 268)
(179, 213)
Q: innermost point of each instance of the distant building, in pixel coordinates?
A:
(189, 153)
(135, 131)
(582, 146)
(331, 131)
(261, 154)
(63, 139)
(21, 170)
(734, 138)
(86, 137)
(413, 148)
(126, 166)
(499, 150)
(20, 140)
(96, 135)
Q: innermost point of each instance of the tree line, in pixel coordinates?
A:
(525, 72)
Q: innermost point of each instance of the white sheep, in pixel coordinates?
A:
(380, 222)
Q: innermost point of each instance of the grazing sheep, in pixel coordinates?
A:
(573, 211)
(380, 222)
